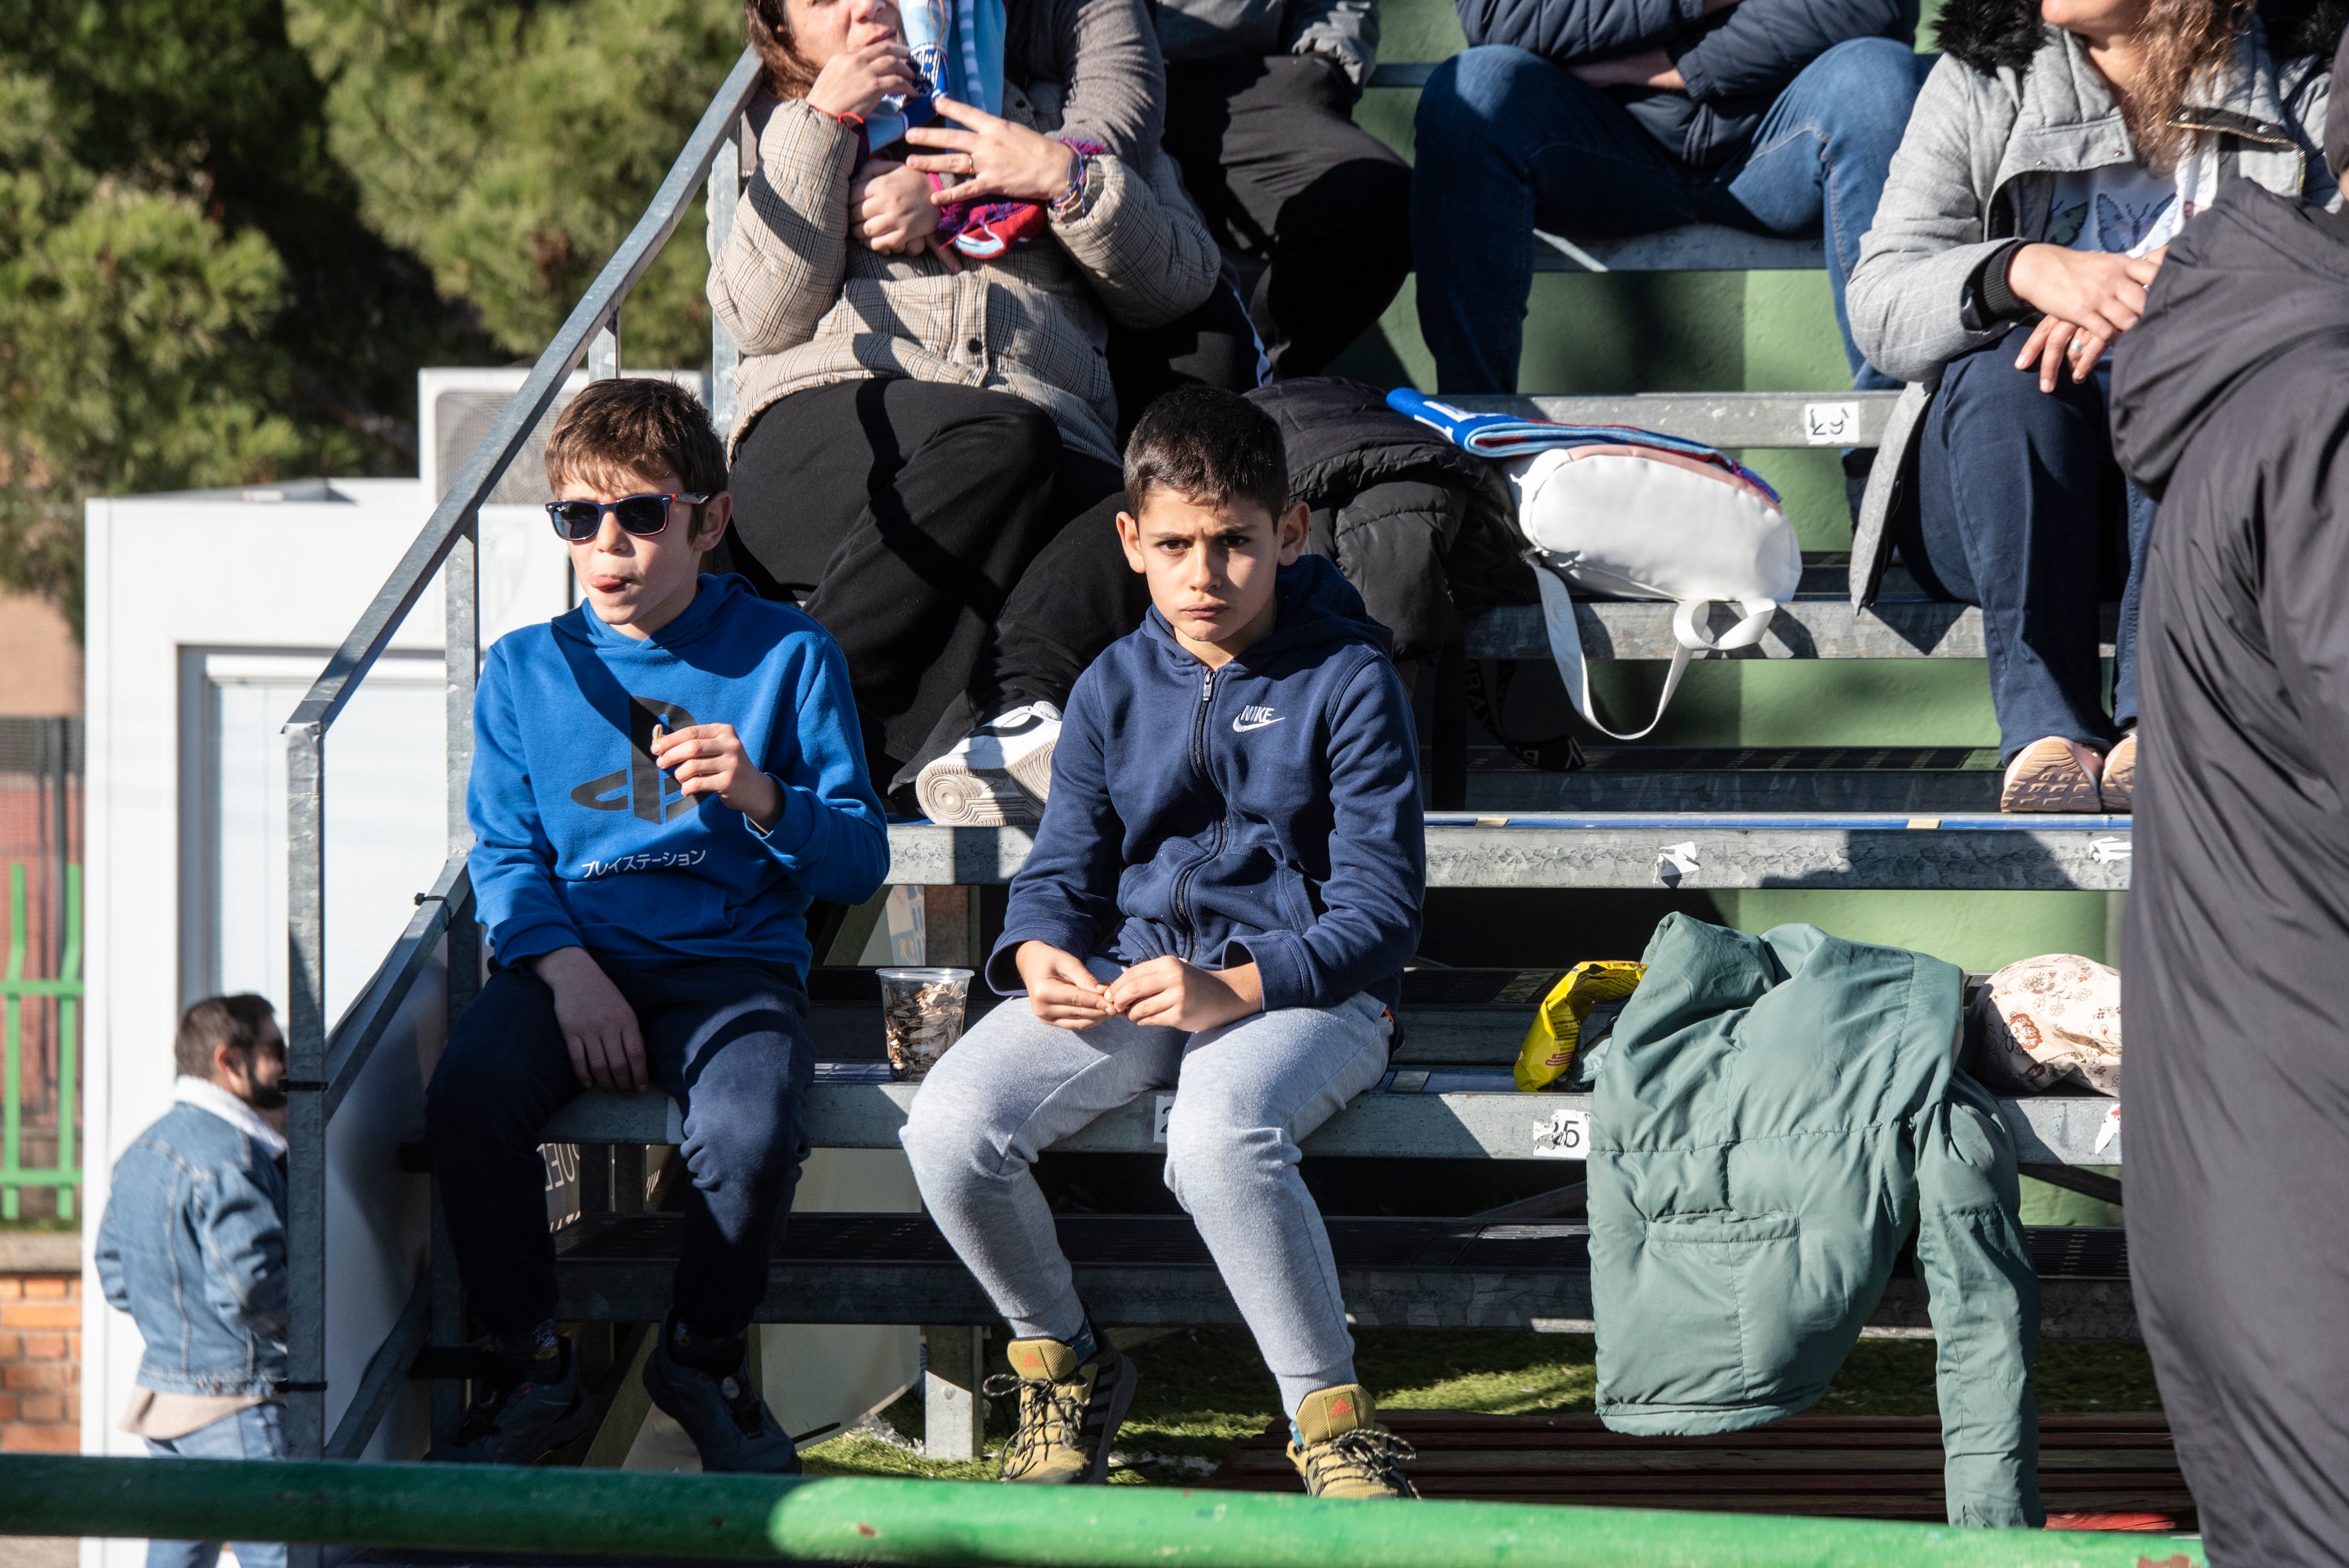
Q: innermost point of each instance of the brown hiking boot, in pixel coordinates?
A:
(1346, 1453)
(1067, 1413)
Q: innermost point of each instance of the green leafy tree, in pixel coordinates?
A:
(129, 329)
(189, 294)
(512, 146)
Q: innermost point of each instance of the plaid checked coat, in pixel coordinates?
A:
(809, 307)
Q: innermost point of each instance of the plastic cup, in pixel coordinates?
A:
(921, 1015)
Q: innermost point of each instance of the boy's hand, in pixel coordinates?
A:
(709, 759)
(1168, 994)
(1061, 989)
(607, 1049)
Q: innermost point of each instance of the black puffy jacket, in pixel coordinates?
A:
(1425, 532)
(1736, 62)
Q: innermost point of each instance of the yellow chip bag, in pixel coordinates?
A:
(1557, 1029)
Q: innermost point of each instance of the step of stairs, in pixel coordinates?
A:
(2096, 1471)
(1919, 851)
(1152, 1270)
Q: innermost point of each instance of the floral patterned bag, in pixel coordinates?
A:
(2049, 1020)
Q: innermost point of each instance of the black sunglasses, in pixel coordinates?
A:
(577, 522)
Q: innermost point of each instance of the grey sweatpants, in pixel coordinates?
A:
(1244, 1094)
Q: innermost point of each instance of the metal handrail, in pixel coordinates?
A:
(459, 508)
(320, 1069)
(858, 1518)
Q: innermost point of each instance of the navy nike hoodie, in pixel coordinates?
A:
(1268, 811)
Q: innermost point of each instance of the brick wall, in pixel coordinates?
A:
(40, 1345)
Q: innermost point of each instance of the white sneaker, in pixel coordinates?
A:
(996, 776)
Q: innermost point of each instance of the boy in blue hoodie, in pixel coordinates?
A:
(663, 779)
(1223, 891)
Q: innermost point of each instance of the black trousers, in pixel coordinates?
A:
(728, 1039)
(964, 559)
(1286, 178)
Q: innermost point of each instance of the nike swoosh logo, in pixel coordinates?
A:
(1239, 729)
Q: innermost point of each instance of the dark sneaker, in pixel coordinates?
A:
(520, 1423)
(1069, 1412)
(1342, 1451)
(729, 1422)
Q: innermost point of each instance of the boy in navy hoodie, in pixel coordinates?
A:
(1223, 891)
(663, 779)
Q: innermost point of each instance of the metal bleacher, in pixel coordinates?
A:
(1636, 818)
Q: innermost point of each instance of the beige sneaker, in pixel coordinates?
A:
(1069, 1413)
(2118, 784)
(1346, 1453)
(2052, 775)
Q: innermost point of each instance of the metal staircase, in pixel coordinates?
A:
(1639, 819)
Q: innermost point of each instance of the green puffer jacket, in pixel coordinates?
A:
(1776, 1116)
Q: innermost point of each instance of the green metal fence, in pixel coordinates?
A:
(64, 990)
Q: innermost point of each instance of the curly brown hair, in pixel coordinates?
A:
(768, 23)
(2186, 42)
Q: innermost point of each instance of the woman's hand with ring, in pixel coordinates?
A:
(1004, 161)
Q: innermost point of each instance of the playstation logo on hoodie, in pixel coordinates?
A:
(640, 787)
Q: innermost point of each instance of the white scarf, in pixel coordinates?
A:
(206, 1095)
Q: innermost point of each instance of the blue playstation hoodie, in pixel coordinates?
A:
(582, 842)
(1265, 812)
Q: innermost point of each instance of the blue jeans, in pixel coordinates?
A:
(2023, 510)
(255, 1433)
(1509, 142)
(728, 1042)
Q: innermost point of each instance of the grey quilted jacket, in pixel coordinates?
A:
(1978, 168)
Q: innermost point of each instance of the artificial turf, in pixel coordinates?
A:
(1203, 1392)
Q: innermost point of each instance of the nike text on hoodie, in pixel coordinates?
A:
(582, 840)
(1267, 813)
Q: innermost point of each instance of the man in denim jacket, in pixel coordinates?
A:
(193, 1247)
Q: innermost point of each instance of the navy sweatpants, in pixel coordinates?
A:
(728, 1041)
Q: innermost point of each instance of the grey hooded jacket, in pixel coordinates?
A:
(1345, 30)
(1978, 169)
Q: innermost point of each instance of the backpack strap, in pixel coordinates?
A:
(1574, 673)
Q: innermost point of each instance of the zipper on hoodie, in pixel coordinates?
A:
(1198, 761)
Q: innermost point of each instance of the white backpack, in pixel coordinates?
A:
(1632, 520)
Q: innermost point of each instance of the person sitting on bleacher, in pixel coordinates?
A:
(1600, 118)
(663, 779)
(1259, 101)
(925, 455)
(1223, 892)
(2052, 158)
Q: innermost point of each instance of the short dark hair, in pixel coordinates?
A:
(235, 1022)
(1209, 447)
(634, 423)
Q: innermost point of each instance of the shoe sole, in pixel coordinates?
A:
(2120, 794)
(1033, 774)
(2050, 781)
(957, 797)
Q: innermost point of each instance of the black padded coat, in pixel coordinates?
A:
(2231, 404)
(1425, 532)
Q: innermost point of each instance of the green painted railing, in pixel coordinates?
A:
(853, 1519)
(65, 988)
